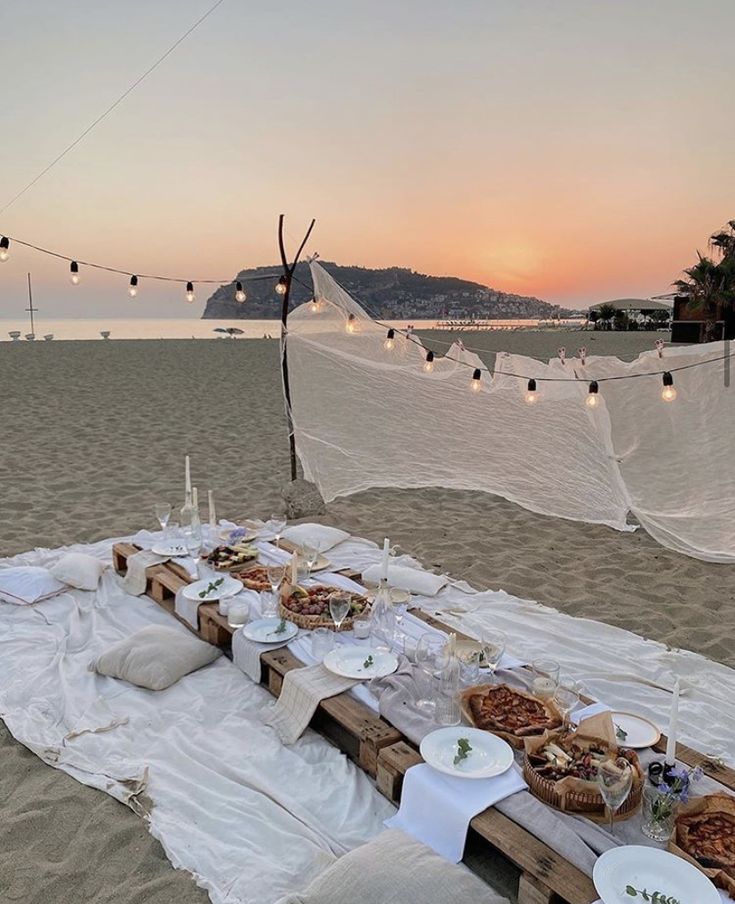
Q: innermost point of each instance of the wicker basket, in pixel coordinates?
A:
(512, 739)
(310, 622)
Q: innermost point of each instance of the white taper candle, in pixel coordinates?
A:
(673, 727)
(195, 497)
(212, 512)
(384, 561)
(187, 478)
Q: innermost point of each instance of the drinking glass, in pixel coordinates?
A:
(430, 660)
(545, 677)
(614, 779)
(400, 605)
(277, 524)
(310, 555)
(163, 513)
(193, 542)
(322, 642)
(446, 709)
(566, 698)
(269, 605)
(276, 574)
(361, 626)
(492, 644)
(238, 613)
(339, 606)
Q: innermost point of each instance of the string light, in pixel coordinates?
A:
(190, 292)
(133, 287)
(74, 270)
(668, 393)
(390, 340)
(281, 286)
(531, 396)
(476, 382)
(4, 248)
(593, 396)
(240, 295)
(351, 326)
(429, 362)
(314, 306)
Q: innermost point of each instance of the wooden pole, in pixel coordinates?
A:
(30, 307)
(288, 272)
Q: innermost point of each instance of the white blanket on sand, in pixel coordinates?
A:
(250, 818)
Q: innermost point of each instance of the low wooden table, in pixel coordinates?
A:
(385, 754)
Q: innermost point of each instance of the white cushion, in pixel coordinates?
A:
(155, 657)
(78, 570)
(395, 869)
(423, 583)
(318, 535)
(26, 584)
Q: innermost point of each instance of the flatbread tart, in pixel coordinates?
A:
(709, 837)
(507, 710)
(255, 578)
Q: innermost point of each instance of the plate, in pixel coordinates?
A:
(349, 661)
(321, 564)
(229, 587)
(650, 869)
(248, 536)
(170, 549)
(640, 732)
(263, 630)
(399, 597)
(466, 649)
(489, 755)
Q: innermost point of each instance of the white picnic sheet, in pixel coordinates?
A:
(268, 820)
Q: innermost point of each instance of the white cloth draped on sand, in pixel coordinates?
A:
(366, 416)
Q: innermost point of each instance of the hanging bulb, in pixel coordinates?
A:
(4, 248)
(74, 269)
(429, 362)
(351, 325)
(531, 396)
(593, 396)
(240, 295)
(668, 393)
(190, 292)
(281, 286)
(133, 287)
(390, 340)
(476, 382)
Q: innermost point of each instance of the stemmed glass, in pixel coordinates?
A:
(163, 513)
(566, 698)
(492, 648)
(311, 557)
(276, 573)
(278, 524)
(339, 606)
(614, 779)
(431, 658)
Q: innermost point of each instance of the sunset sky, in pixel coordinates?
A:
(574, 150)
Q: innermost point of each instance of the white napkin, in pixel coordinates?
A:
(147, 539)
(422, 583)
(302, 692)
(436, 809)
(246, 654)
(586, 712)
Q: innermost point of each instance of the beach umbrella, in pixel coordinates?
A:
(229, 330)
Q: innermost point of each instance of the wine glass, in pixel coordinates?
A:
(277, 524)
(614, 779)
(163, 513)
(339, 606)
(492, 644)
(276, 574)
(431, 657)
(310, 555)
(566, 698)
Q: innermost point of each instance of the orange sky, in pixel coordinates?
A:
(573, 150)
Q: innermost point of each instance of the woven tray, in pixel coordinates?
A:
(310, 622)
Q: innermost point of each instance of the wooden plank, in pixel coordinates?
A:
(531, 891)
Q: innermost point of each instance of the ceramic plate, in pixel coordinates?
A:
(263, 630)
(349, 661)
(229, 587)
(650, 869)
(397, 596)
(224, 534)
(640, 732)
(489, 755)
(321, 564)
(170, 549)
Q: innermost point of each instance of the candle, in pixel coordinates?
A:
(195, 498)
(187, 486)
(673, 726)
(384, 562)
(212, 513)
(294, 569)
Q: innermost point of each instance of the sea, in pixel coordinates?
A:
(100, 328)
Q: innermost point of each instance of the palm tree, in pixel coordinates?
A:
(709, 284)
(607, 313)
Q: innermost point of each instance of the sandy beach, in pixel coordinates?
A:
(94, 434)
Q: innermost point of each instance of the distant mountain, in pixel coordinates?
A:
(394, 293)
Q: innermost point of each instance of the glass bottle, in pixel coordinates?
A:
(382, 617)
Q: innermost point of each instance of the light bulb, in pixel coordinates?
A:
(390, 340)
(240, 295)
(281, 286)
(314, 306)
(476, 382)
(190, 292)
(668, 393)
(4, 248)
(351, 326)
(133, 287)
(429, 362)
(74, 269)
(531, 395)
(593, 396)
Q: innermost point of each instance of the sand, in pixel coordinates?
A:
(93, 434)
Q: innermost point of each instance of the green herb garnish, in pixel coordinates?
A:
(654, 897)
(212, 586)
(463, 750)
(281, 629)
(620, 734)
(368, 662)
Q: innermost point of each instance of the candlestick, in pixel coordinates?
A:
(212, 512)
(294, 569)
(673, 727)
(384, 562)
(187, 478)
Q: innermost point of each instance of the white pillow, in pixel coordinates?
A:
(155, 657)
(423, 583)
(26, 584)
(78, 570)
(318, 535)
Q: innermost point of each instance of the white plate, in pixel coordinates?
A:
(349, 661)
(224, 534)
(653, 870)
(489, 755)
(229, 587)
(263, 630)
(170, 549)
(640, 732)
